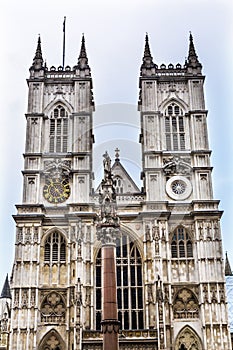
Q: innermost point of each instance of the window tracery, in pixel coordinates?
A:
(181, 245)
(52, 341)
(118, 184)
(185, 305)
(129, 285)
(58, 135)
(174, 128)
(55, 248)
(53, 308)
(188, 340)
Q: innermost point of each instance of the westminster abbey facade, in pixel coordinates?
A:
(169, 260)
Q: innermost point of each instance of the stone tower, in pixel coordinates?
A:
(183, 246)
(169, 262)
(56, 203)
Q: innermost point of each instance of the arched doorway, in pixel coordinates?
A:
(52, 341)
(187, 339)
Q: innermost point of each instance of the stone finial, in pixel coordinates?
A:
(117, 154)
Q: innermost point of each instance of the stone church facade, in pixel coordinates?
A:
(169, 260)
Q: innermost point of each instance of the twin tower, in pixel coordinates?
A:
(169, 260)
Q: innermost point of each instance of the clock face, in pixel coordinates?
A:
(56, 190)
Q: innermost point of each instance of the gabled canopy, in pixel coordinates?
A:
(124, 182)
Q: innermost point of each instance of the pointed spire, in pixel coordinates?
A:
(83, 53)
(147, 58)
(83, 60)
(38, 59)
(6, 292)
(38, 54)
(192, 53)
(148, 66)
(228, 271)
(82, 68)
(147, 54)
(192, 60)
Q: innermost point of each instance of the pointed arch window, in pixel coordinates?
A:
(58, 133)
(185, 304)
(181, 245)
(55, 248)
(129, 285)
(174, 128)
(118, 184)
(53, 308)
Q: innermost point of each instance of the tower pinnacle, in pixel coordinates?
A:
(192, 61)
(6, 293)
(83, 60)
(228, 271)
(38, 59)
(82, 67)
(147, 58)
(147, 54)
(148, 66)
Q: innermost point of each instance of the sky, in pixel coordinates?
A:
(114, 33)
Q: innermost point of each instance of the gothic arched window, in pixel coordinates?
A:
(174, 128)
(53, 308)
(118, 184)
(55, 248)
(185, 304)
(58, 132)
(181, 245)
(129, 285)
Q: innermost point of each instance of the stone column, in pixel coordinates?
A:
(110, 323)
(107, 231)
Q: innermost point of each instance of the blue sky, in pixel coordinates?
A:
(114, 32)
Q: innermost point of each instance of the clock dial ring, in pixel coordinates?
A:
(56, 190)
